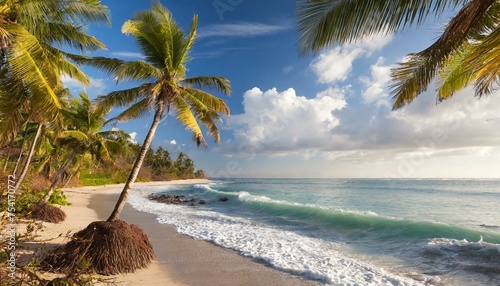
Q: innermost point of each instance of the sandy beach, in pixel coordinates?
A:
(180, 260)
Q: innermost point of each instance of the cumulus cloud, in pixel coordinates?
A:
(453, 127)
(132, 137)
(276, 121)
(335, 65)
(173, 142)
(376, 86)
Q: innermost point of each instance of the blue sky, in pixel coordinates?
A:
(323, 115)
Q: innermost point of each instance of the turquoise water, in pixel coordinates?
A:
(350, 231)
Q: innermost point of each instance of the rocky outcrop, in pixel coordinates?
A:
(171, 200)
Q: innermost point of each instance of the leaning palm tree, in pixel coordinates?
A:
(116, 246)
(467, 51)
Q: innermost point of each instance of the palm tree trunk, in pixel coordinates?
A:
(21, 150)
(28, 160)
(8, 155)
(59, 176)
(70, 177)
(138, 163)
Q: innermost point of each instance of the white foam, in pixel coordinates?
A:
(285, 250)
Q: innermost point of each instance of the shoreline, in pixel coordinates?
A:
(180, 260)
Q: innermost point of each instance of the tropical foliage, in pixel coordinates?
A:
(32, 63)
(466, 53)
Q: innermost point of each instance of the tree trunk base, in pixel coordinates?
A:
(105, 248)
(48, 213)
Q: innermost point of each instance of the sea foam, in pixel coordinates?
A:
(285, 250)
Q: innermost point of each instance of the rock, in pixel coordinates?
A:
(192, 205)
(171, 200)
(202, 202)
(223, 199)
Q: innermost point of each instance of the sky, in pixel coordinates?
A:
(326, 115)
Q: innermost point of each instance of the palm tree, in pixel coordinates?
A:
(466, 52)
(32, 65)
(85, 136)
(166, 49)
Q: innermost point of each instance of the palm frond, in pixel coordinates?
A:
(206, 116)
(29, 64)
(137, 70)
(210, 101)
(148, 34)
(87, 11)
(73, 36)
(453, 76)
(413, 76)
(323, 23)
(108, 65)
(123, 98)
(182, 56)
(78, 135)
(185, 116)
(221, 84)
(137, 110)
(60, 62)
(484, 61)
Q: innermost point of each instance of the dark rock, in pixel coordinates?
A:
(202, 202)
(171, 200)
(223, 199)
(192, 204)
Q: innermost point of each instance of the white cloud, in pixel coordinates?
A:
(335, 64)
(376, 86)
(451, 128)
(128, 55)
(132, 137)
(242, 30)
(287, 69)
(96, 87)
(173, 142)
(275, 122)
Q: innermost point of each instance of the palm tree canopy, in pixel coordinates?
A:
(456, 53)
(84, 133)
(166, 49)
(31, 66)
(30, 30)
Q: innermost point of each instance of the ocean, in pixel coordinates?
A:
(348, 231)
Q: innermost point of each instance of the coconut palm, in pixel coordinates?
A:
(466, 52)
(166, 49)
(82, 136)
(31, 30)
(32, 65)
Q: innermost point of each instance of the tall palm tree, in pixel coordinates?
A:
(166, 49)
(466, 52)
